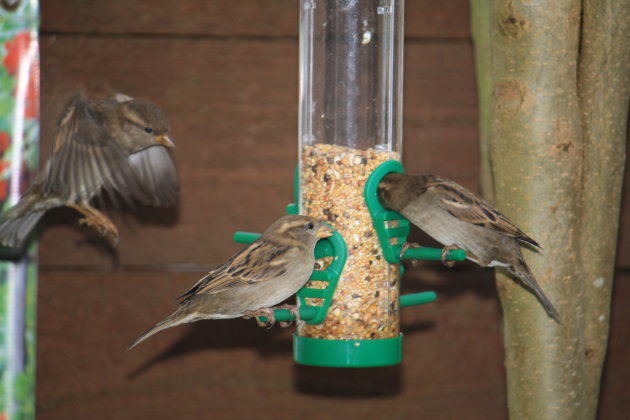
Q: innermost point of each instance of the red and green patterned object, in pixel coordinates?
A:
(19, 135)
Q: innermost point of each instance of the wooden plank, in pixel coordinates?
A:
(265, 18)
(452, 362)
(233, 108)
(452, 367)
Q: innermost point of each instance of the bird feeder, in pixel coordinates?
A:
(350, 136)
(349, 124)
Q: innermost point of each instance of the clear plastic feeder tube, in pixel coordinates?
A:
(349, 123)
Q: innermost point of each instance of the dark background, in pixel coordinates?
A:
(226, 74)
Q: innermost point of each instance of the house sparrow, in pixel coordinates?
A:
(117, 145)
(460, 219)
(263, 274)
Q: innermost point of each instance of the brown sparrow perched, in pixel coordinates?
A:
(263, 274)
(117, 145)
(460, 219)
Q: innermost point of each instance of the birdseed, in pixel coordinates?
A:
(366, 302)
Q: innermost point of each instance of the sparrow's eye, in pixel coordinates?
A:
(310, 226)
(148, 130)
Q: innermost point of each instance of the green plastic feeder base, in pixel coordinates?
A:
(347, 353)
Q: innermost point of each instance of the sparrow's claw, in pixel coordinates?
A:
(404, 249)
(98, 221)
(266, 312)
(445, 252)
(291, 308)
(105, 229)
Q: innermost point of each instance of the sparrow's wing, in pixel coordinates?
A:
(84, 158)
(261, 261)
(469, 207)
(154, 168)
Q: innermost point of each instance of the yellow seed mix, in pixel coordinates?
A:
(365, 304)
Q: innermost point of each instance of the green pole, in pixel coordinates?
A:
(19, 136)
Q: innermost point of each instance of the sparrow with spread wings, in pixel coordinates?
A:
(460, 219)
(118, 146)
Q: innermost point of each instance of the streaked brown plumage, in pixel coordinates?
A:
(259, 276)
(117, 145)
(459, 218)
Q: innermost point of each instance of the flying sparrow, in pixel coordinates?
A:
(118, 146)
(263, 274)
(460, 219)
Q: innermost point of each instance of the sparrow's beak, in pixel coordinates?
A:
(324, 232)
(165, 140)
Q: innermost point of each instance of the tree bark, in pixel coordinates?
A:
(480, 18)
(536, 152)
(603, 83)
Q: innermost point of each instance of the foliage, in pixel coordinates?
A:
(18, 31)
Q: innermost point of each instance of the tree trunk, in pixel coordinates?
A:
(480, 18)
(536, 152)
(603, 83)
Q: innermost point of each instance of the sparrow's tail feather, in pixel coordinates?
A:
(174, 319)
(524, 274)
(15, 231)
(17, 223)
